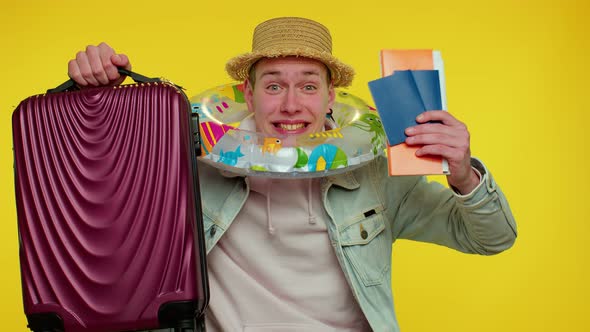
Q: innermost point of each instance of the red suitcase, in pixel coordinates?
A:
(109, 211)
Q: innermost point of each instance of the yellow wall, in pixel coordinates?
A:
(515, 75)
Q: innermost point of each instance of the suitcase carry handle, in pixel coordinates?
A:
(70, 85)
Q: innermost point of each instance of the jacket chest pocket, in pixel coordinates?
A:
(367, 249)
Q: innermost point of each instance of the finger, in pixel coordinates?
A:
(96, 64)
(447, 152)
(437, 139)
(74, 73)
(443, 116)
(110, 68)
(121, 60)
(85, 69)
(432, 128)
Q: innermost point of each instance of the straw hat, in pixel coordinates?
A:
(291, 36)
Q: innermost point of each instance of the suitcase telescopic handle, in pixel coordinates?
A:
(71, 85)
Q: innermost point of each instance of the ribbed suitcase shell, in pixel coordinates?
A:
(109, 214)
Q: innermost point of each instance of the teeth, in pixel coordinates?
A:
(289, 126)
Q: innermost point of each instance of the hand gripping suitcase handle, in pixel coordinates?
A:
(71, 85)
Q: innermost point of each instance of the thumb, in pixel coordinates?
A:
(121, 60)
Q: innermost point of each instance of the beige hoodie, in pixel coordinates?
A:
(275, 268)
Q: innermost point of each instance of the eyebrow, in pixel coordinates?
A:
(278, 73)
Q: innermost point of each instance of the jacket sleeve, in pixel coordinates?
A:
(480, 222)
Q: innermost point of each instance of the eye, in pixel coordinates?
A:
(309, 87)
(273, 87)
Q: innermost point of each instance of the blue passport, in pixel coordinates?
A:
(401, 97)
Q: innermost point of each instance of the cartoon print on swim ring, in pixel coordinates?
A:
(229, 141)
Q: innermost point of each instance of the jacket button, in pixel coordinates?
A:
(364, 234)
(212, 231)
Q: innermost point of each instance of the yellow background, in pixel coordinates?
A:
(515, 75)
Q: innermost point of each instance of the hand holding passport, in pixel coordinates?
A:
(412, 82)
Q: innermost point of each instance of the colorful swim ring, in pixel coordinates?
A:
(357, 138)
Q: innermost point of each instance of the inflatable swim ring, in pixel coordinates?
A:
(357, 137)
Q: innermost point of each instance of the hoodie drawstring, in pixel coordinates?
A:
(271, 229)
(312, 220)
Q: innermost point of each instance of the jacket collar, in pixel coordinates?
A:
(345, 180)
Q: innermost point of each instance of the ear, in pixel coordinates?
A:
(249, 95)
(331, 95)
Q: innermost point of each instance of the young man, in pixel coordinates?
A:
(314, 254)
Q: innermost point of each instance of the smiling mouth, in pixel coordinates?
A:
(290, 126)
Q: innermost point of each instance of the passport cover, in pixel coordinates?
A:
(401, 97)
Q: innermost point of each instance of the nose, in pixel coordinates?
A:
(291, 102)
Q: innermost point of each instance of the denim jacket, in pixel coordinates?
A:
(369, 211)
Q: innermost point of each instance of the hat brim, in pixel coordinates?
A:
(239, 67)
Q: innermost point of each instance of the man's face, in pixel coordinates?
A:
(291, 96)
